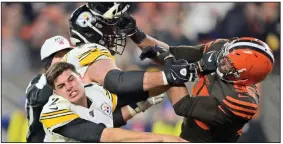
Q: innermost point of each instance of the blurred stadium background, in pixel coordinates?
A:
(25, 26)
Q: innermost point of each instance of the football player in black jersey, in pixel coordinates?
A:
(224, 97)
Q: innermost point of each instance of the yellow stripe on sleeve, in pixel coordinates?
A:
(58, 120)
(114, 101)
(94, 55)
(55, 113)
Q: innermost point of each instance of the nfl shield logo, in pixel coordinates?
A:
(59, 40)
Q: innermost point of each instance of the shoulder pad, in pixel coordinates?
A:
(87, 54)
(243, 102)
(56, 112)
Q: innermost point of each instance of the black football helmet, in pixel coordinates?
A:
(85, 27)
(109, 12)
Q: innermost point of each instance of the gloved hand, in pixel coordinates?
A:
(179, 72)
(127, 24)
(156, 52)
(144, 105)
(208, 63)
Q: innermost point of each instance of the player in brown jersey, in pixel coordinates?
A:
(224, 97)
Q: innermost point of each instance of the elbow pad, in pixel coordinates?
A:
(126, 84)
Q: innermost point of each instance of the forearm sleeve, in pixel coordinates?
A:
(188, 53)
(127, 85)
(81, 130)
(118, 118)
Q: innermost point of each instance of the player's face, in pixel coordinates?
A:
(70, 86)
(59, 55)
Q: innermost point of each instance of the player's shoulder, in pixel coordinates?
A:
(57, 112)
(242, 101)
(56, 103)
(92, 88)
(245, 93)
(86, 54)
(90, 47)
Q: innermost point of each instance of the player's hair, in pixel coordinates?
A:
(56, 70)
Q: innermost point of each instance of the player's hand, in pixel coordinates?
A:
(156, 52)
(144, 105)
(127, 24)
(167, 138)
(179, 72)
(208, 63)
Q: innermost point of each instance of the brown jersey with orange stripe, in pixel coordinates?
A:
(219, 109)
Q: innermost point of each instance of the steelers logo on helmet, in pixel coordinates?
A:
(85, 18)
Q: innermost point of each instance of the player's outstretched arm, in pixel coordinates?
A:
(129, 111)
(86, 131)
(204, 108)
(120, 82)
(122, 135)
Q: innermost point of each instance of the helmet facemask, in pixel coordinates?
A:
(225, 67)
(116, 43)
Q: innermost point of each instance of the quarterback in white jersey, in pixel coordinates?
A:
(84, 113)
(59, 111)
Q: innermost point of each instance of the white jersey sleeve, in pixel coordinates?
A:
(81, 57)
(56, 113)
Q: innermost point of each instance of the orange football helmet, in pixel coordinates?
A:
(245, 61)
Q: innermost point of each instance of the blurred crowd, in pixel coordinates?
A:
(25, 27)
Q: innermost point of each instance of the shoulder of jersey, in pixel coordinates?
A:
(243, 104)
(87, 54)
(93, 87)
(56, 112)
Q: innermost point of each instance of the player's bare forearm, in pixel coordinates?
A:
(97, 71)
(121, 135)
(152, 80)
(150, 41)
(158, 90)
(126, 113)
(177, 93)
